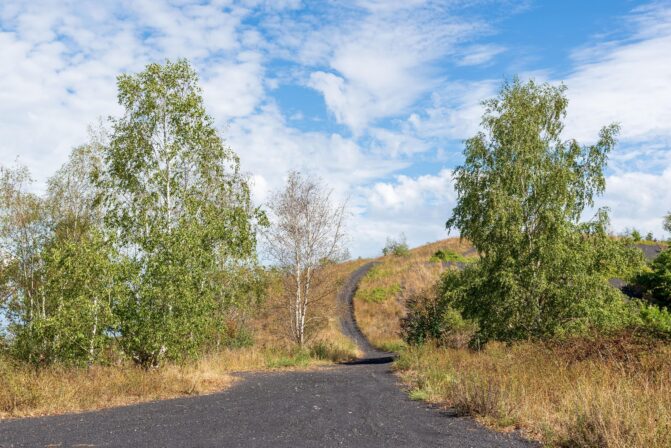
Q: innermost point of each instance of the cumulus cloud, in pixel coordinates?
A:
(638, 200)
(382, 69)
(381, 65)
(625, 81)
(63, 59)
(416, 206)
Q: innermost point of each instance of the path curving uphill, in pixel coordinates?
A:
(348, 319)
(353, 405)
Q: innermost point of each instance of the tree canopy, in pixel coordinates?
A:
(522, 191)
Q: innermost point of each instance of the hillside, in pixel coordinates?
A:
(604, 389)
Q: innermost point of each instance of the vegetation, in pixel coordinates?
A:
(398, 247)
(531, 335)
(585, 392)
(446, 255)
(656, 282)
(307, 230)
(401, 279)
(134, 276)
(521, 193)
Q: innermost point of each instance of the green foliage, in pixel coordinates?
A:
(83, 278)
(379, 272)
(174, 196)
(448, 255)
(667, 222)
(145, 242)
(434, 314)
(635, 235)
(61, 276)
(379, 294)
(654, 319)
(298, 358)
(656, 282)
(649, 237)
(398, 247)
(521, 193)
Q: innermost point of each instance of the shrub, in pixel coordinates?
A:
(432, 315)
(448, 255)
(656, 283)
(636, 235)
(398, 247)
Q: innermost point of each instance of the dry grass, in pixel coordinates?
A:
(584, 394)
(379, 304)
(25, 391)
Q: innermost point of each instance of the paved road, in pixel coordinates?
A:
(355, 405)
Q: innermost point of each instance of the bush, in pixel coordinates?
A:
(432, 315)
(448, 255)
(656, 283)
(636, 235)
(398, 247)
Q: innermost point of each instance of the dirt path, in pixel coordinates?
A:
(354, 405)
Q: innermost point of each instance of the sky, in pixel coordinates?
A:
(375, 97)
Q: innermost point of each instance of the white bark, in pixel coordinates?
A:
(307, 230)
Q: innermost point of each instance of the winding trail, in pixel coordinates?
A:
(358, 404)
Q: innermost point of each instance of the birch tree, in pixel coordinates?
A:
(307, 231)
(521, 194)
(178, 205)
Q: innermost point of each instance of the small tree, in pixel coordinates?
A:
(175, 199)
(307, 228)
(521, 193)
(667, 222)
(397, 247)
(635, 235)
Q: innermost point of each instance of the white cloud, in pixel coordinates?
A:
(382, 64)
(416, 206)
(455, 111)
(625, 81)
(234, 88)
(480, 54)
(638, 200)
(268, 146)
(63, 57)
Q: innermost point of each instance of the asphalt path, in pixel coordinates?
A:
(359, 404)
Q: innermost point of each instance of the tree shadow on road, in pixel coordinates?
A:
(385, 359)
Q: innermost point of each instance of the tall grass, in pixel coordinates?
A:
(379, 304)
(607, 393)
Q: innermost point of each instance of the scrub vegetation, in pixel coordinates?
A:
(531, 335)
(135, 275)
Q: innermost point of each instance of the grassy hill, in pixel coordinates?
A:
(597, 391)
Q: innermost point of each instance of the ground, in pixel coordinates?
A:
(359, 404)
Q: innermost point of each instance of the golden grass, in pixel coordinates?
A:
(380, 320)
(618, 397)
(25, 391)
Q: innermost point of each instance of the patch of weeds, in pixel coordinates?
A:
(327, 351)
(448, 255)
(299, 359)
(419, 395)
(379, 294)
(378, 272)
(392, 346)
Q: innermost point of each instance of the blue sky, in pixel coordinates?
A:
(373, 96)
